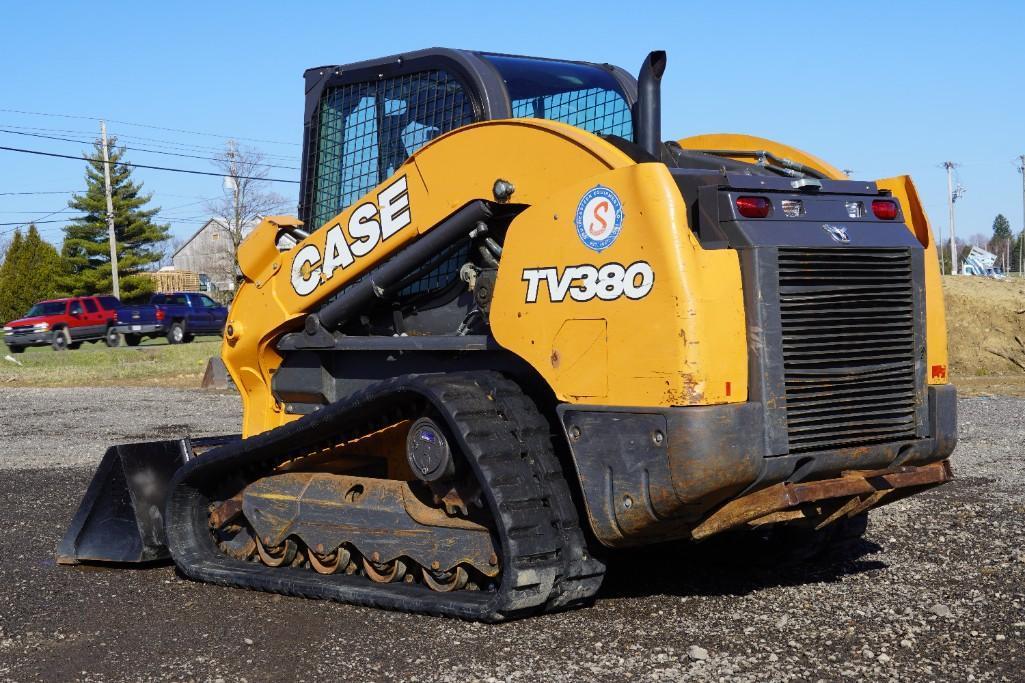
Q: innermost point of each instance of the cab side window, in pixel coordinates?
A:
(90, 306)
(364, 131)
(75, 307)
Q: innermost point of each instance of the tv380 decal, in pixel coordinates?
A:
(586, 282)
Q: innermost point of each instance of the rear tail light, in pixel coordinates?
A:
(160, 314)
(884, 209)
(753, 207)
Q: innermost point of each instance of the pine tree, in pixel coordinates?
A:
(86, 249)
(32, 270)
(8, 276)
(1000, 244)
(1001, 228)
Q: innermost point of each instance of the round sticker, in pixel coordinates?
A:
(599, 218)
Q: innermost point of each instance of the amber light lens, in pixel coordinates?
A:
(753, 207)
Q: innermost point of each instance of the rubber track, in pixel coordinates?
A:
(545, 562)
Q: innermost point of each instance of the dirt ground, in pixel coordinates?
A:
(935, 591)
(985, 327)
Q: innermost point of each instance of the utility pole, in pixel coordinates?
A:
(1021, 237)
(110, 212)
(234, 221)
(233, 156)
(953, 194)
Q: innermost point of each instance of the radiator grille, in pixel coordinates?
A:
(848, 324)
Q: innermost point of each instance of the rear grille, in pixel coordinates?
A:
(848, 323)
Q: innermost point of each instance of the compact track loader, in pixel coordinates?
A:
(514, 329)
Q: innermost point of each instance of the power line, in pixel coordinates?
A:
(154, 168)
(133, 149)
(36, 222)
(155, 142)
(182, 206)
(149, 142)
(44, 192)
(146, 125)
(61, 211)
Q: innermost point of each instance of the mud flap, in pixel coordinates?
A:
(121, 517)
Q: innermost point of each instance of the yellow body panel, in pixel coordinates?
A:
(541, 158)
(682, 343)
(904, 191)
(750, 143)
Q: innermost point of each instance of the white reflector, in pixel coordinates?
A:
(793, 207)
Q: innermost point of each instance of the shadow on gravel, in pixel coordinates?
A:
(733, 565)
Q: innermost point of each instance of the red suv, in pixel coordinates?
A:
(65, 324)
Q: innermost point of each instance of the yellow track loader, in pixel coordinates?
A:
(514, 330)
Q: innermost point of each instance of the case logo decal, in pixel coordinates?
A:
(599, 218)
(587, 282)
(369, 225)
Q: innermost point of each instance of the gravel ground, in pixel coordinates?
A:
(51, 428)
(936, 591)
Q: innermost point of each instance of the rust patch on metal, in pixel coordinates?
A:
(384, 448)
(383, 519)
(225, 512)
(864, 490)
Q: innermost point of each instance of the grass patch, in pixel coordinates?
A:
(154, 362)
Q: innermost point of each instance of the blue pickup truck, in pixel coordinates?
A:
(178, 316)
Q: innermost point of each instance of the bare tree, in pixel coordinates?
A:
(978, 240)
(245, 198)
(167, 250)
(5, 243)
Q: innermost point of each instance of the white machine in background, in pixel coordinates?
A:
(981, 262)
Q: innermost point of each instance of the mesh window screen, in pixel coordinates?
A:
(366, 130)
(583, 95)
(603, 112)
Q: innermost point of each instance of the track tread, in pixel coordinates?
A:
(546, 563)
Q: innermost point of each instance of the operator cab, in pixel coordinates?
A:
(363, 120)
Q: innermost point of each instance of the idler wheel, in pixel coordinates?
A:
(428, 452)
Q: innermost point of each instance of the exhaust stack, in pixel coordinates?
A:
(648, 110)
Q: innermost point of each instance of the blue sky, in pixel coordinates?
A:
(881, 88)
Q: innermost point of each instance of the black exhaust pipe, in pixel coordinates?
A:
(648, 110)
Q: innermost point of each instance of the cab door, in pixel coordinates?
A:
(78, 323)
(215, 314)
(93, 317)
